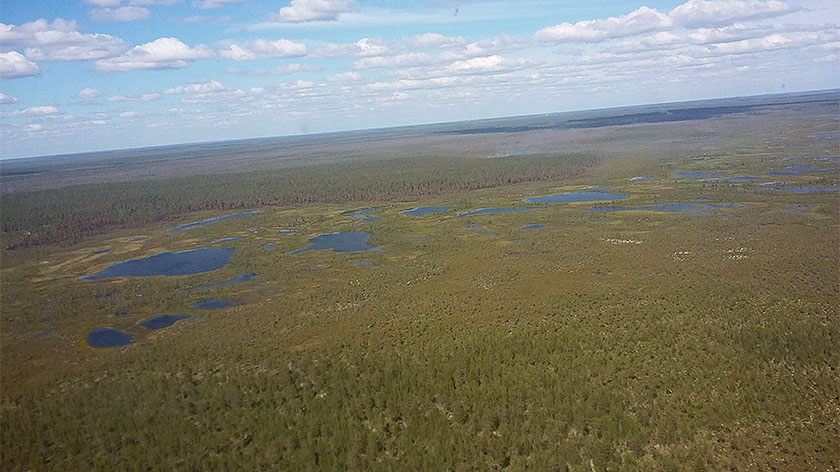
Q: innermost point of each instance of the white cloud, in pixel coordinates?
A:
(209, 4)
(103, 3)
(262, 48)
(642, 20)
(162, 53)
(129, 114)
(59, 40)
(46, 110)
(14, 65)
(198, 86)
(313, 10)
(123, 14)
(723, 12)
(345, 77)
(7, 99)
(400, 60)
(89, 93)
(145, 97)
(364, 47)
(32, 127)
(97, 122)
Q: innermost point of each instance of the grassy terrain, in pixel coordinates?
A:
(604, 341)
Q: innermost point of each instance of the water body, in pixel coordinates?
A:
(286, 231)
(45, 333)
(573, 197)
(240, 278)
(420, 211)
(137, 238)
(731, 179)
(361, 214)
(795, 208)
(493, 211)
(162, 321)
(348, 241)
(596, 187)
(665, 207)
(268, 246)
(100, 251)
(475, 229)
(228, 240)
(774, 184)
(808, 189)
(414, 240)
(105, 337)
(120, 314)
(193, 261)
(211, 220)
(532, 226)
(641, 178)
(695, 175)
(213, 304)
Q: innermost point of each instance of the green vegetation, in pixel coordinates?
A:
(604, 341)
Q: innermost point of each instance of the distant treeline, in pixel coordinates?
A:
(69, 214)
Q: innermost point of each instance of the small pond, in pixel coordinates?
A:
(240, 278)
(362, 214)
(420, 211)
(347, 241)
(800, 170)
(268, 246)
(695, 175)
(100, 251)
(808, 189)
(286, 231)
(228, 240)
(193, 261)
(494, 211)
(105, 337)
(162, 321)
(414, 240)
(795, 208)
(730, 179)
(211, 220)
(573, 197)
(213, 304)
(641, 178)
(364, 264)
(532, 226)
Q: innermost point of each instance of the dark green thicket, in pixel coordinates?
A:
(70, 214)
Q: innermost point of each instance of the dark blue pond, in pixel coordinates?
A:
(228, 240)
(420, 211)
(286, 231)
(695, 175)
(193, 261)
(120, 314)
(100, 251)
(213, 304)
(268, 246)
(104, 337)
(162, 321)
(807, 189)
(532, 226)
(211, 220)
(361, 214)
(731, 179)
(641, 178)
(240, 278)
(137, 238)
(572, 197)
(493, 211)
(666, 207)
(348, 241)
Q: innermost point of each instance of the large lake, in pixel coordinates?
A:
(193, 261)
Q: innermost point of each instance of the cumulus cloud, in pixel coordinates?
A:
(162, 53)
(209, 4)
(145, 97)
(642, 20)
(32, 127)
(59, 41)
(103, 3)
(7, 99)
(345, 77)
(313, 10)
(129, 114)
(694, 13)
(122, 14)
(14, 65)
(197, 86)
(364, 47)
(89, 93)
(262, 48)
(46, 110)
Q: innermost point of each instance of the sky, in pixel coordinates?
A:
(91, 75)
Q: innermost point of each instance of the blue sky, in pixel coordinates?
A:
(86, 75)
